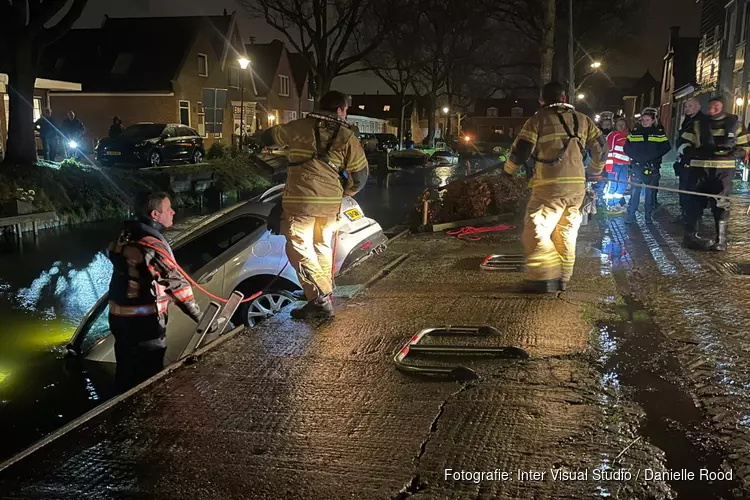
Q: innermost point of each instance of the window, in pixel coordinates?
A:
(386, 108)
(202, 65)
(210, 245)
(185, 113)
(97, 327)
(234, 77)
(284, 85)
(37, 108)
(289, 116)
(361, 106)
(730, 25)
(201, 120)
(516, 112)
(122, 63)
(214, 104)
(492, 112)
(185, 132)
(170, 131)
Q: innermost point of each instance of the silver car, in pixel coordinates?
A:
(234, 250)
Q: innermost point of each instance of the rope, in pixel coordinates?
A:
(672, 190)
(466, 233)
(196, 285)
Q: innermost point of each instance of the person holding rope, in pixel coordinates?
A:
(712, 146)
(693, 113)
(326, 163)
(646, 145)
(143, 282)
(617, 166)
(557, 138)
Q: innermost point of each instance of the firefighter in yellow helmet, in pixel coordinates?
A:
(557, 138)
(326, 162)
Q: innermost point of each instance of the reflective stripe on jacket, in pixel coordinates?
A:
(716, 142)
(616, 156)
(314, 185)
(544, 136)
(144, 280)
(647, 145)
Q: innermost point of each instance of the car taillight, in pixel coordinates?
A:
(366, 245)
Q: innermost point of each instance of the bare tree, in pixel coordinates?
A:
(25, 30)
(548, 40)
(333, 36)
(397, 62)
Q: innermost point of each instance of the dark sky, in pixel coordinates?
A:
(647, 52)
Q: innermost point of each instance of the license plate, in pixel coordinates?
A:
(353, 214)
(113, 153)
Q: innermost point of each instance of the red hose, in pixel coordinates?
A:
(196, 285)
(466, 233)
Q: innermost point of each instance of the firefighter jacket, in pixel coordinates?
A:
(715, 142)
(646, 146)
(616, 146)
(557, 138)
(326, 162)
(144, 280)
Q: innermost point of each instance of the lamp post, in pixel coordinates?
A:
(243, 65)
(446, 112)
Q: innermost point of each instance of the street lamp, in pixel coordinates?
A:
(446, 110)
(581, 97)
(271, 119)
(596, 65)
(243, 65)
(740, 101)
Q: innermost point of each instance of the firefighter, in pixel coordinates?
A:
(692, 114)
(711, 149)
(143, 281)
(557, 138)
(646, 145)
(326, 162)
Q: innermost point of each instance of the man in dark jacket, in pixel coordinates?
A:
(712, 147)
(116, 129)
(646, 145)
(72, 130)
(692, 114)
(48, 134)
(144, 279)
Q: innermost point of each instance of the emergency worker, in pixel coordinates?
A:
(557, 138)
(646, 145)
(712, 147)
(617, 166)
(144, 279)
(693, 113)
(326, 163)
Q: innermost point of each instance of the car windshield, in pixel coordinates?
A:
(144, 130)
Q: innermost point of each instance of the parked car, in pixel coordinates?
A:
(386, 141)
(234, 250)
(151, 145)
(442, 158)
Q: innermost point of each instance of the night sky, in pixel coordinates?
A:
(647, 53)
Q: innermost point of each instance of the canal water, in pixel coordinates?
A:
(48, 284)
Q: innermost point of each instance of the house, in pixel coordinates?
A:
(734, 73)
(646, 93)
(279, 96)
(388, 107)
(303, 80)
(678, 76)
(498, 120)
(42, 89)
(130, 68)
(370, 125)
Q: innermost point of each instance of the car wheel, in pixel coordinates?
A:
(197, 156)
(266, 306)
(154, 159)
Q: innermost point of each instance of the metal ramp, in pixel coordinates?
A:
(214, 315)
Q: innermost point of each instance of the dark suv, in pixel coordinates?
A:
(151, 145)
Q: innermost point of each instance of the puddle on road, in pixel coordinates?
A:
(634, 355)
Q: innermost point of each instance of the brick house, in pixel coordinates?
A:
(131, 68)
(678, 80)
(498, 120)
(280, 97)
(302, 78)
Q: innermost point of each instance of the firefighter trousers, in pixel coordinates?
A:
(549, 235)
(309, 249)
(709, 181)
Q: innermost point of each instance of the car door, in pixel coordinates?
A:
(206, 257)
(170, 144)
(186, 143)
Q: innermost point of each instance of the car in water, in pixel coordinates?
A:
(233, 250)
(151, 145)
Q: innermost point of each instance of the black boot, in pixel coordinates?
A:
(563, 285)
(320, 308)
(693, 240)
(721, 236)
(541, 286)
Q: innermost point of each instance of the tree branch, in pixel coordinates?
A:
(55, 32)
